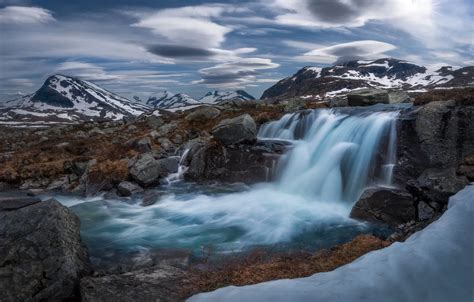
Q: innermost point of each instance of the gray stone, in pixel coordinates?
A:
(398, 96)
(126, 188)
(143, 144)
(8, 203)
(203, 114)
(159, 283)
(367, 97)
(384, 205)
(338, 101)
(41, 256)
(425, 212)
(236, 130)
(166, 144)
(147, 170)
(154, 121)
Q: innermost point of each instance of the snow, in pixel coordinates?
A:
(434, 264)
(216, 97)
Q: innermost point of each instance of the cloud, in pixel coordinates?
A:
(234, 74)
(86, 71)
(177, 51)
(190, 26)
(25, 15)
(350, 51)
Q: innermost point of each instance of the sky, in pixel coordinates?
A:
(137, 48)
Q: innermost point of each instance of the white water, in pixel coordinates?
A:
(179, 175)
(317, 182)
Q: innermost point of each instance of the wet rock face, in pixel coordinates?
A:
(41, 255)
(236, 130)
(383, 205)
(213, 161)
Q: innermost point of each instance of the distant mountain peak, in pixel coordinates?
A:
(218, 97)
(167, 100)
(388, 73)
(65, 99)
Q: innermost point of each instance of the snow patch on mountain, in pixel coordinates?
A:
(168, 100)
(219, 97)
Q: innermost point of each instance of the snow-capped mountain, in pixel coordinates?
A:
(64, 99)
(219, 97)
(385, 73)
(168, 100)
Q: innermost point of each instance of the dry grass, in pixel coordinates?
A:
(462, 96)
(259, 266)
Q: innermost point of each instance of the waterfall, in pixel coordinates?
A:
(334, 154)
(174, 177)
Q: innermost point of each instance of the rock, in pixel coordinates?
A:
(132, 128)
(236, 130)
(150, 197)
(126, 188)
(154, 121)
(41, 256)
(203, 114)
(425, 211)
(10, 203)
(147, 170)
(238, 163)
(383, 205)
(159, 283)
(143, 144)
(367, 97)
(398, 96)
(95, 132)
(338, 101)
(166, 144)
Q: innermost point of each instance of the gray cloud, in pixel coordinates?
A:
(339, 11)
(178, 51)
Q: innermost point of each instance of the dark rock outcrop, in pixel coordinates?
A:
(237, 163)
(236, 130)
(383, 205)
(41, 255)
(126, 188)
(367, 97)
(147, 170)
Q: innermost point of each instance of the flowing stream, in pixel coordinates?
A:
(332, 159)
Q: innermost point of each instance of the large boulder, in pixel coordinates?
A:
(203, 114)
(367, 97)
(384, 205)
(236, 163)
(127, 188)
(147, 170)
(236, 130)
(41, 255)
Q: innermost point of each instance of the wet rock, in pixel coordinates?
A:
(340, 101)
(150, 197)
(236, 130)
(41, 256)
(126, 188)
(166, 144)
(367, 97)
(203, 114)
(383, 205)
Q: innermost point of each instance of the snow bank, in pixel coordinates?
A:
(434, 264)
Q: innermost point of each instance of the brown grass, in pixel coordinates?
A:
(259, 266)
(462, 96)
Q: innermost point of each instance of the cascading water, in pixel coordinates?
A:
(333, 156)
(178, 175)
(332, 159)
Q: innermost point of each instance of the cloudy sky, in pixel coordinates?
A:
(144, 46)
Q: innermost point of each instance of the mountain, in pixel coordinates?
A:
(219, 97)
(168, 100)
(64, 99)
(386, 73)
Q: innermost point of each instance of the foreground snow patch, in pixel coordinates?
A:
(434, 264)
